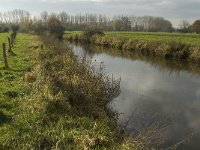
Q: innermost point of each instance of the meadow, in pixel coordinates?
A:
(10, 79)
(189, 38)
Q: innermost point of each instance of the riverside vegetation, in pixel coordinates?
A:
(50, 100)
(166, 45)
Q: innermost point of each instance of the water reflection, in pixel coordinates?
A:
(152, 89)
(163, 65)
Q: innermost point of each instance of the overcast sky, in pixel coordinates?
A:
(174, 10)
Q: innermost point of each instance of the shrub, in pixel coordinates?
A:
(89, 32)
(195, 27)
(55, 27)
(14, 28)
(39, 28)
(4, 28)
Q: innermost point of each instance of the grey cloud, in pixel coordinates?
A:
(171, 9)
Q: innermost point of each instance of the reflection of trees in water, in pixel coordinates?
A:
(162, 64)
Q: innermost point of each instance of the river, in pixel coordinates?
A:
(158, 93)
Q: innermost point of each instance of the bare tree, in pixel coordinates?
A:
(44, 16)
(184, 26)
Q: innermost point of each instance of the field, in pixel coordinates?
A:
(10, 79)
(11, 83)
(188, 38)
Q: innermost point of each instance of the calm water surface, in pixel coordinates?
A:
(153, 91)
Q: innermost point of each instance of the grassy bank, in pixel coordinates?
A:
(49, 100)
(166, 45)
(12, 85)
(188, 38)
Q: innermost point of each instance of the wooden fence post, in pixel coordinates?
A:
(11, 40)
(4, 55)
(9, 45)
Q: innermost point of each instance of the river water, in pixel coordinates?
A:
(157, 93)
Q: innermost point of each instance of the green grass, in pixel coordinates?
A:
(11, 85)
(10, 78)
(188, 38)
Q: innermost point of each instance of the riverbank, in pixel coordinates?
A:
(50, 100)
(167, 46)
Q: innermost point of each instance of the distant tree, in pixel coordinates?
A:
(117, 24)
(184, 26)
(79, 22)
(44, 16)
(55, 27)
(14, 28)
(5, 29)
(63, 17)
(39, 27)
(121, 24)
(195, 27)
(126, 24)
(158, 24)
(150, 23)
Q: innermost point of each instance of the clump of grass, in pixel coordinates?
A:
(195, 54)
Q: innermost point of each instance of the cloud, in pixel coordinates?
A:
(174, 10)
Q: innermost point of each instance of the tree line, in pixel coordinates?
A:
(186, 27)
(80, 22)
